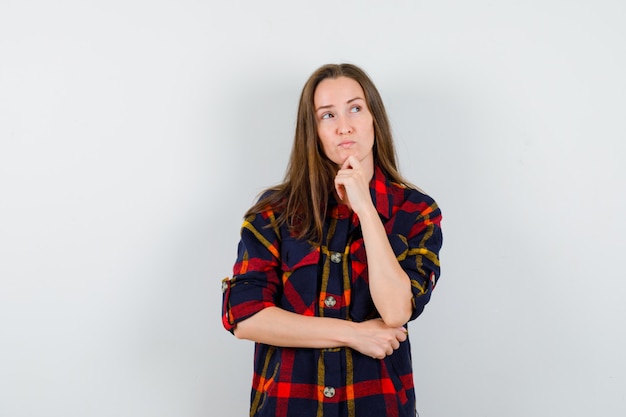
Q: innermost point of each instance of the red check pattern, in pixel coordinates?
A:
(331, 280)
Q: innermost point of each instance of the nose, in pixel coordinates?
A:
(344, 127)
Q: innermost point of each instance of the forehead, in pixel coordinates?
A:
(335, 91)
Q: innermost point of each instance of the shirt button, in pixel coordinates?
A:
(330, 301)
(335, 257)
(329, 392)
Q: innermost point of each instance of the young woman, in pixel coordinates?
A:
(334, 262)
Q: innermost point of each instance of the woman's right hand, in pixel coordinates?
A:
(375, 339)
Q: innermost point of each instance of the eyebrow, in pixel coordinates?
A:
(328, 106)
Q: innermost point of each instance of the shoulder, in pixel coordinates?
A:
(269, 201)
(418, 195)
(411, 198)
(416, 213)
(261, 218)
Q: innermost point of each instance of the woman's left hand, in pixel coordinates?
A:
(352, 185)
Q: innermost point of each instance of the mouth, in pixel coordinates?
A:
(346, 144)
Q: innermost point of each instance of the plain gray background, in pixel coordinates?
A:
(134, 135)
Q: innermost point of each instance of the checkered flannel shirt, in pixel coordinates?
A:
(330, 280)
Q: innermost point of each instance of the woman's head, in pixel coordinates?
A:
(308, 151)
(302, 199)
(345, 126)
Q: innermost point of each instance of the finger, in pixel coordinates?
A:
(378, 355)
(353, 162)
(347, 163)
(339, 188)
(401, 334)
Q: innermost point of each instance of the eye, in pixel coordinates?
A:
(355, 109)
(326, 116)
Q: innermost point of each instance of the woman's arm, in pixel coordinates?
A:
(390, 286)
(278, 327)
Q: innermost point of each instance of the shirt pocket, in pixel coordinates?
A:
(361, 307)
(358, 262)
(358, 255)
(299, 264)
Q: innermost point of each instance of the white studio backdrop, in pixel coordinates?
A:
(134, 135)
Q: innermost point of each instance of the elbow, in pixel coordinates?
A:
(396, 318)
(240, 331)
(397, 314)
(253, 327)
(397, 321)
(247, 329)
(237, 332)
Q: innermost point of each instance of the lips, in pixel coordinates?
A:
(346, 144)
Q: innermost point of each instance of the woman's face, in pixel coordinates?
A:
(344, 123)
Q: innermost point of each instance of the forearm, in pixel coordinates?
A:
(390, 286)
(278, 327)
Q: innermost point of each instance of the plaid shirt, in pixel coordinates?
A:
(275, 269)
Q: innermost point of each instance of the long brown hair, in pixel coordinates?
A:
(301, 200)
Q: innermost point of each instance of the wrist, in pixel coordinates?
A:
(347, 334)
(367, 213)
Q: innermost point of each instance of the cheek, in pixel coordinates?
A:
(371, 128)
(323, 139)
(370, 123)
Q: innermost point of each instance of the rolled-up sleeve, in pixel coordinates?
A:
(256, 280)
(417, 244)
